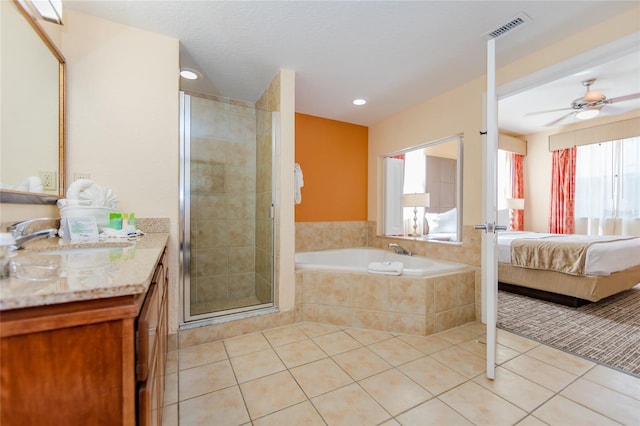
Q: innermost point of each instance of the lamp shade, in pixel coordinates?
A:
(515, 203)
(419, 199)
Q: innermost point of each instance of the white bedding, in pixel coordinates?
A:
(602, 259)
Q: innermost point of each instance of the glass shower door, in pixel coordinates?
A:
(226, 204)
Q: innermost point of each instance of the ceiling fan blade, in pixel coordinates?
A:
(546, 111)
(554, 122)
(624, 98)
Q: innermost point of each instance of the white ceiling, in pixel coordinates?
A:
(394, 53)
(548, 106)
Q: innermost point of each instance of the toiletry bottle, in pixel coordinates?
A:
(115, 221)
(132, 221)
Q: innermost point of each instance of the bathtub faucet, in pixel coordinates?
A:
(399, 250)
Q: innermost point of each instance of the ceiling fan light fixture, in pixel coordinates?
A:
(593, 96)
(588, 113)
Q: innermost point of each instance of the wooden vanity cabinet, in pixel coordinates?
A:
(152, 332)
(75, 363)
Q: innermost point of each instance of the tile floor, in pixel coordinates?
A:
(318, 374)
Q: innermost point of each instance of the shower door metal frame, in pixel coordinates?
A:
(184, 233)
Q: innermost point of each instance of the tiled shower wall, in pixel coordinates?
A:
(223, 204)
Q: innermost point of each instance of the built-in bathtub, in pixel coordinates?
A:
(358, 260)
(430, 296)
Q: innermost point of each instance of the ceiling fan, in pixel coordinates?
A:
(589, 105)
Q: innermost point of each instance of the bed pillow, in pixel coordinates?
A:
(443, 222)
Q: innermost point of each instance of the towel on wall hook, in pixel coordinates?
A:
(298, 183)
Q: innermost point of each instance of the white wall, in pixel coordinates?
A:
(460, 110)
(457, 111)
(285, 240)
(122, 119)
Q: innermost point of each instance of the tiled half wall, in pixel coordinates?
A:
(311, 236)
(412, 305)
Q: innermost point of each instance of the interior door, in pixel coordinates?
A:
(489, 241)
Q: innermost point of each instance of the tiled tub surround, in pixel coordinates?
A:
(399, 304)
(312, 236)
(468, 252)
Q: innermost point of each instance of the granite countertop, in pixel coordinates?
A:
(52, 271)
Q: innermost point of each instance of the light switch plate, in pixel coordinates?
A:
(79, 175)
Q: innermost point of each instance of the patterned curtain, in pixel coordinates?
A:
(517, 188)
(563, 176)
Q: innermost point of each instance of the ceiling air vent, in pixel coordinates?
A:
(515, 22)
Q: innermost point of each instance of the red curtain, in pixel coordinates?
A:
(517, 189)
(563, 175)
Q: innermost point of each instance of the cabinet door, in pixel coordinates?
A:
(148, 399)
(70, 376)
(152, 344)
(147, 332)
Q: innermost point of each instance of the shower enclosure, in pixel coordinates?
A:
(226, 207)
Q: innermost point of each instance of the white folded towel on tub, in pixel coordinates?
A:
(386, 268)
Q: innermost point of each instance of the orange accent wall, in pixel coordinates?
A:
(333, 158)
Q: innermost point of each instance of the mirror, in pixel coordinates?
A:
(422, 192)
(32, 121)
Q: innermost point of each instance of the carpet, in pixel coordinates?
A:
(606, 332)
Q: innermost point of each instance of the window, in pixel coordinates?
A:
(607, 199)
(429, 175)
(505, 178)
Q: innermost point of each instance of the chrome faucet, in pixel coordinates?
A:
(21, 237)
(400, 250)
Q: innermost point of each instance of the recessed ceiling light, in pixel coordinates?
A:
(189, 74)
(359, 101)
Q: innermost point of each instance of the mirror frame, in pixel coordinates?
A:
(459, 138)
(20, 197)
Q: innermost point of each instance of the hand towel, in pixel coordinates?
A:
(95, 195)
(386, 268)
(298, 183)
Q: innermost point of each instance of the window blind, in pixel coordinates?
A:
(623, 129)
(511, 144)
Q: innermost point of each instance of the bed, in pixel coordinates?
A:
(442, 226)
(568, 269)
